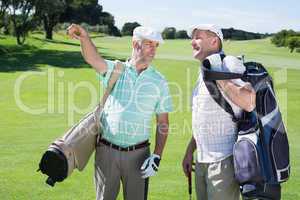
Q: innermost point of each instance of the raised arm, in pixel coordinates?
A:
(88, 49)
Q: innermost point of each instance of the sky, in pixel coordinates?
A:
(263, 16)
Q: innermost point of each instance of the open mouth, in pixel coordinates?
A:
(196, 48)
(196, 51)
(152, 54)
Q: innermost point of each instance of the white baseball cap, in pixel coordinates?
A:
(206, 27)
(141, 32)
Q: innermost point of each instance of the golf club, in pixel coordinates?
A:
(190, 184)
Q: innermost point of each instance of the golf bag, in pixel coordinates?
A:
(71, 151)
(76, 146)
(261, 152)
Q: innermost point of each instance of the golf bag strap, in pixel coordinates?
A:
(209, 75)
(118, 69)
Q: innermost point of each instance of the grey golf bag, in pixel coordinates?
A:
(74, 148)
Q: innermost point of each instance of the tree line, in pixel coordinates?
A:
(287, 38)
(18, 17)
(230, 33)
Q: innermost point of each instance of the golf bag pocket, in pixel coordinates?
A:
(247, 166)
(280, 153)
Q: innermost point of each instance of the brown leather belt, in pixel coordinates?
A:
(130, 148)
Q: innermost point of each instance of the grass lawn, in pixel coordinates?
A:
(54, 83)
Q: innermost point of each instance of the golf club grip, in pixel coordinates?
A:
(190, 182)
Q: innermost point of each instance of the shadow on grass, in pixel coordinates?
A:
(56, 41)
(96, 36)
(65, 43)
(16, 48)
(24, 58)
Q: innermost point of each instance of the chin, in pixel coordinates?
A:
(196, 56)
(149, 59)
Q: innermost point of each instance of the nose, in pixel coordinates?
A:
(153, 47)
(193, 43)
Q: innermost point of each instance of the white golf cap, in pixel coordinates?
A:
(206, 27)
(141, 32)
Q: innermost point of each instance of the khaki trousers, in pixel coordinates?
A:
(113, 167)
(215, 181)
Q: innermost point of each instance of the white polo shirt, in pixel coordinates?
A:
(213, 128)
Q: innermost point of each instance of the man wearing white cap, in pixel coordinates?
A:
(122, 153)
(214, 131)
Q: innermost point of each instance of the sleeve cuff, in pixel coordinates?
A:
(104, 78)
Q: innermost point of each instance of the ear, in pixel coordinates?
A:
(215, 42)
(135, 45)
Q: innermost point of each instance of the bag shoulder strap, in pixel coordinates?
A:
(118, 69)
(210, 77)
(215, 75)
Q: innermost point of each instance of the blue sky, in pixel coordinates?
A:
(256, 16)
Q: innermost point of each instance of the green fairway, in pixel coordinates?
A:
(51, 79)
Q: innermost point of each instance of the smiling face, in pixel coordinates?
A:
(145, 50)
(204, 43)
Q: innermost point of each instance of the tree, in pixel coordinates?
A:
(114, 31)
(20, 12)
(4, 16)
(182, 34)
(49, 13)
(293, 42)
(90, 12)
(3, 11)
(280, 38)
(79, 11)
(235, 34)
(169, 33)
(109, 20)
(129, 27)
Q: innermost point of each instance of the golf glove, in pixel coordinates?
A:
(150, 166)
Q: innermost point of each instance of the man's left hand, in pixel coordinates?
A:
(150, 166)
